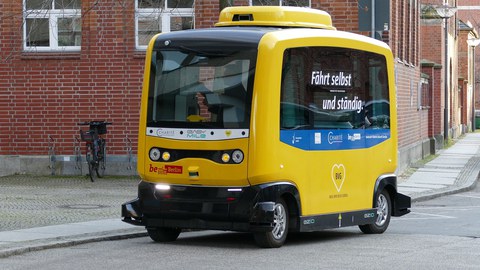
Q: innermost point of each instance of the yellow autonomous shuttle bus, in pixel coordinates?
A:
(270, 122)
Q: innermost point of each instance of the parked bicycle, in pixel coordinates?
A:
(96, 155)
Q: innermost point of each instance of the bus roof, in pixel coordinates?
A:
(276, 16)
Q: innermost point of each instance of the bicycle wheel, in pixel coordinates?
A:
(91, 163)
(101, 158)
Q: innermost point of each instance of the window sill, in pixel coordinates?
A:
(50, 55)
(139, 54)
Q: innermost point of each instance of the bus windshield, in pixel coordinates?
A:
(201, 88)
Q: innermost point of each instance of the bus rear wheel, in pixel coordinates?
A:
(277, 236)
(383, 205)
(161, 234)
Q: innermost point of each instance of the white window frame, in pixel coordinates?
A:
(250, 2)
(165, 15)
(52, 15)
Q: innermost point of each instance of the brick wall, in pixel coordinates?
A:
(463, 83)
(472, 17)
(344, 13)
(44, 95)
(412, 122)
(206, 13)
(435, 112)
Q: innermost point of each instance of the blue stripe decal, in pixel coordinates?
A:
(334, 139)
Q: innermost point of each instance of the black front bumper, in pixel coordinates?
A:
(196, 207)
(401, 205)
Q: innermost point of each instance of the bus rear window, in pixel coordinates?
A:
(334, 88)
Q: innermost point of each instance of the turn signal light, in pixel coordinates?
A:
(225, 157)
(166, 156)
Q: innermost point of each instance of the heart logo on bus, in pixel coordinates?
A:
(338, 176)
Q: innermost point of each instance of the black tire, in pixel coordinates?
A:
(102, 160)
(91, 165)
(163, 234)
(384, 207)
(275, 238)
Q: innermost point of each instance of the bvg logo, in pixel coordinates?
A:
(338, 176)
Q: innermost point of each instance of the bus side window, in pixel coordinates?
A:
(377, 108)
(293, 113)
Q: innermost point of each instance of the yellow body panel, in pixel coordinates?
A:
(205, 172)
(327, 181)
(313, 171)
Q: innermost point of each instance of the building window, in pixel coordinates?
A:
(161, 16)
(295, 3)
(52, 25)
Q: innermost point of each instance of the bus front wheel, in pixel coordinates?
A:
(383, 205)
(163, 234)
(277, 236)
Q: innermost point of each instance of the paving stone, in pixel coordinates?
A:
(34, 201)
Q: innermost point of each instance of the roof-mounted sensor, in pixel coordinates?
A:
(275, 16)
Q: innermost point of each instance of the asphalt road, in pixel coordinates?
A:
(454, 215)
(212, 250)
(443, 233)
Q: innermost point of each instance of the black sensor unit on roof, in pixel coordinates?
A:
(286, 17)
(242, 17)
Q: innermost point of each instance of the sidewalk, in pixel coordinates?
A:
(48, 212)
(455, 169)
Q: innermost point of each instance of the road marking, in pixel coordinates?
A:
(467, 196)
(453, 208)
(428, 216)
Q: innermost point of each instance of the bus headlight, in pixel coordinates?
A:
(162, 187)
(237, 156)
(154, 154)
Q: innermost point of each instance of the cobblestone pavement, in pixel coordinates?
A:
(28, 201)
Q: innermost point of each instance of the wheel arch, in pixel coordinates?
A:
(399, 202)
(289, 193)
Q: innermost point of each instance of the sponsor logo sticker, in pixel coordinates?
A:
(165, 132)
(354, 137)
(196, 134)
(167, 169)
(334, 138)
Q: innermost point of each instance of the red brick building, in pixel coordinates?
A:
(468, 11)
(459, 67)
(63, 62)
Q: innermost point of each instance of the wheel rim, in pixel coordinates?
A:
(101, 169)
(382, 210)
(91, 166)
(279, 221)
(101, 163)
